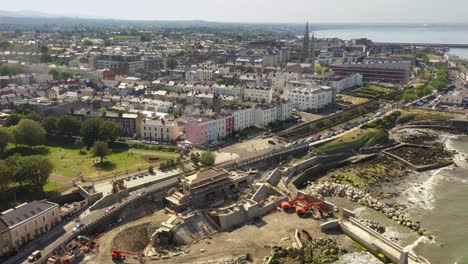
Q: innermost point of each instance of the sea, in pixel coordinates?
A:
(439, 200)
(440, 34)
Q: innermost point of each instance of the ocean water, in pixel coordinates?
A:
(446, 212)
(456, 34)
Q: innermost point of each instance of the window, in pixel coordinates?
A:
(35, 221)
(43, 218)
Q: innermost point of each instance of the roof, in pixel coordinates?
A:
(3, 227)
(25, 211)
(207, 174)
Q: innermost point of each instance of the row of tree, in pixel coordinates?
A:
(31, 130)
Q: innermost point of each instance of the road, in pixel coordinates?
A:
(63, 232)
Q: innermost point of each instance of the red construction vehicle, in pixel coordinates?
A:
(291, 204)
(303, 204)
(306, 209)
(118, 255)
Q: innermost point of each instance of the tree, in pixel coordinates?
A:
(5, 137)
(21, 170)
(208, 158)
(50, 125)
(151, 169)
(33, 116)
(101, 149)
(29, 132)
(97, 129)
(68, 126)
(195, 158)
(41, 168)
(109, 131)
(87, 42)
(13, 119)
(6, 176)
(171, 63)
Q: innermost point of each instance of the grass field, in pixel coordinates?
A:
(69, 162)
(353, 140)
(372, 91)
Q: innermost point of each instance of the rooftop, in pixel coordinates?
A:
(25, 211)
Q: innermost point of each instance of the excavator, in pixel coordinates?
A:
(291, 204)
(303, 209)
(118, 255)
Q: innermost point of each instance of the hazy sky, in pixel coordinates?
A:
(325, 11)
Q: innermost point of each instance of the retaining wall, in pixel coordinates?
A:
(274, 177)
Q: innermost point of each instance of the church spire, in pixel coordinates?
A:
(306, 43)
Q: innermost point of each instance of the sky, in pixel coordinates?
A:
(315, 11)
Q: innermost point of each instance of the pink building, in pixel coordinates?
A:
(196, 131)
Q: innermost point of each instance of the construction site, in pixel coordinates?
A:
(218, 215)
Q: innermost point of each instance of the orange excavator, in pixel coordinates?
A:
(291, 204)
(306, 209)
(303, 209)
(118, 255)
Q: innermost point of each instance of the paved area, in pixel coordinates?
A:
(106, 187)
(256, 238)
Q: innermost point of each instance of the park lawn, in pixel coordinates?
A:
(53, 186)
(69, 162)
(372, 91)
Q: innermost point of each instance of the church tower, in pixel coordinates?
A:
(312, 53)
(306, 44)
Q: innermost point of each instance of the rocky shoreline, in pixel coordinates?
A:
(393, 211)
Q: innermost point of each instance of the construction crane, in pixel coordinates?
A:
(118, 255)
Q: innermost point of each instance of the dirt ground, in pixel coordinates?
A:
(130, 236)
(249, 148)
(256, 239)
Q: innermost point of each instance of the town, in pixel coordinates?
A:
(140, 144)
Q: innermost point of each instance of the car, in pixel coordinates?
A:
(77, 227)
(110, 209)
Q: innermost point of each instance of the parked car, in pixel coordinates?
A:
(77, 226)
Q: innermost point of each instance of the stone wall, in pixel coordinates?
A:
(274, 177)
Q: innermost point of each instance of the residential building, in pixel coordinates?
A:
(243, 118)
(5, 239)
(28, 221)
(309, 96)
(159, 129)
(261, 94)
(264, 115)
(341, 83)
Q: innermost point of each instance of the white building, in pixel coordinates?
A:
(258, 94)
(243, 119)
(310, 96)
(265, 114)
(159, 129)
(278, 80)
(343, 83)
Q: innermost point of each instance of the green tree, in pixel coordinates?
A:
(41, 168)
(5, 137)
(29, 132)
(195, 158)
(13, 119)
(208, 158)
(87, 42)
(98, 129)
(68, 126)
(50, 125)
(171, 63)
(6, 176)
(33, 116)
(109, 131)
(101, 149)
(54, 73)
